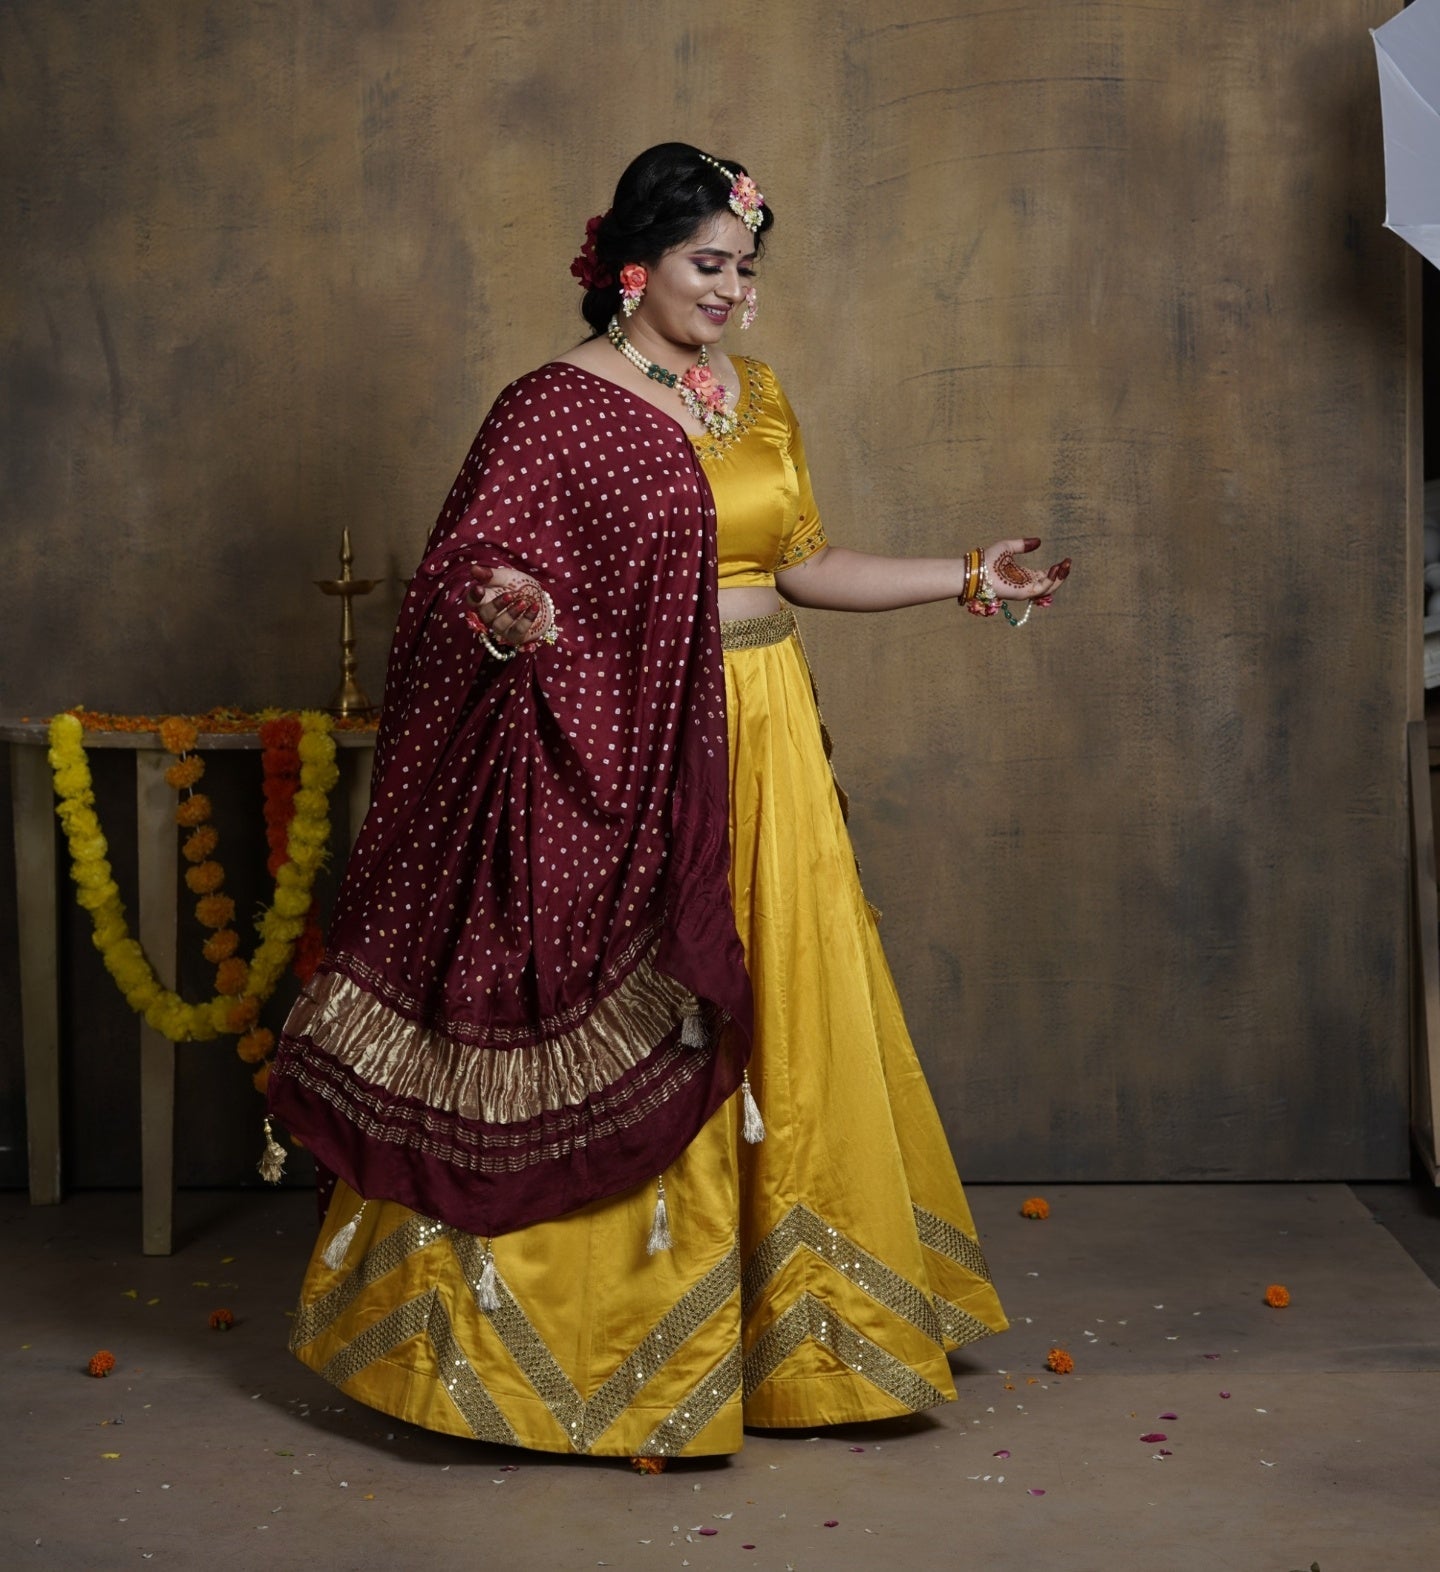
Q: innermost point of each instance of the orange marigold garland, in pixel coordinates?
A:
(255, 1046)
(1277, 1296)
(206, 878)
(101, 1364)
(214, 911)
(1059, 1361)
(1036, 1207)
(221, 945)
(193, 811)
(231, 976)
(198, 846)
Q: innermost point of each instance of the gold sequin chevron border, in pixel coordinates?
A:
(947, 1240)
(583, 1421)
(809, 1318)
(426, 1313)
(801, 1228)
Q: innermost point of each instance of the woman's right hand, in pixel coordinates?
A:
(504, 602)
(1011, 581)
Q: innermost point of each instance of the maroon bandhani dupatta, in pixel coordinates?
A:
(533, 994)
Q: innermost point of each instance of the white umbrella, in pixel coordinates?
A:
(1407, 49)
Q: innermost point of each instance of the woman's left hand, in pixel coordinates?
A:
(505, 603)
(1010, 580)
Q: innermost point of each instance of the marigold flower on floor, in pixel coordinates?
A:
(648, 1465)
(1059, 1361)
(1277, 1296)
(1037, 1207)
(222, 1320)
(101, 1364)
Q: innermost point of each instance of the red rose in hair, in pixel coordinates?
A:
(587, 267)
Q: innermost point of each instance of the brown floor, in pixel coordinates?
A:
(227, 1454)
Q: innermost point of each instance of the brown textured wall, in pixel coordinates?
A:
(1108, 273)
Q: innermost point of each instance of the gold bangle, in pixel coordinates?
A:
(972, 575)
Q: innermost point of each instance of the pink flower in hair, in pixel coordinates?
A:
(746, 202)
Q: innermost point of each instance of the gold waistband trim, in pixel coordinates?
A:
(753, 633)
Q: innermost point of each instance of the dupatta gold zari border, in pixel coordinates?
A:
(381, 1047)
(493, 1150)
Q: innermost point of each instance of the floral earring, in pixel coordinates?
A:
(752, 305)
(633, 279)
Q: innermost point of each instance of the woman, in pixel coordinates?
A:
(604, 1037)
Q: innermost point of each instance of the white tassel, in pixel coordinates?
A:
(339, 1247)
(754, 1127)
(487, 1291)
(660, 1229)
(692, 1031)
(272, 1159)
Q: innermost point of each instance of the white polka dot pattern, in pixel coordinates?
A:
(546, 834)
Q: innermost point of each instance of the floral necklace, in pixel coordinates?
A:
(701, 391)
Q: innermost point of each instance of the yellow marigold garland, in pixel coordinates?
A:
(279, 926)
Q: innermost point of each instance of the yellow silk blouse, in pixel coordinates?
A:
(766, 520)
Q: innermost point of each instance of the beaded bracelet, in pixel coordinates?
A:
(492, 647)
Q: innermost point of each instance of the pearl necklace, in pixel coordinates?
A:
(700, 390)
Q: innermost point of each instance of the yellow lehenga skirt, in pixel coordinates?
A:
(817, 1277)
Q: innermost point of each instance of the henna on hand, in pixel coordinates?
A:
(1008, 571)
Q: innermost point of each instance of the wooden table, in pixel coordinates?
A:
(156, 925)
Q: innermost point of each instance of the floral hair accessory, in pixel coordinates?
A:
(587, 267)
(633, 279)
(746, 203)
